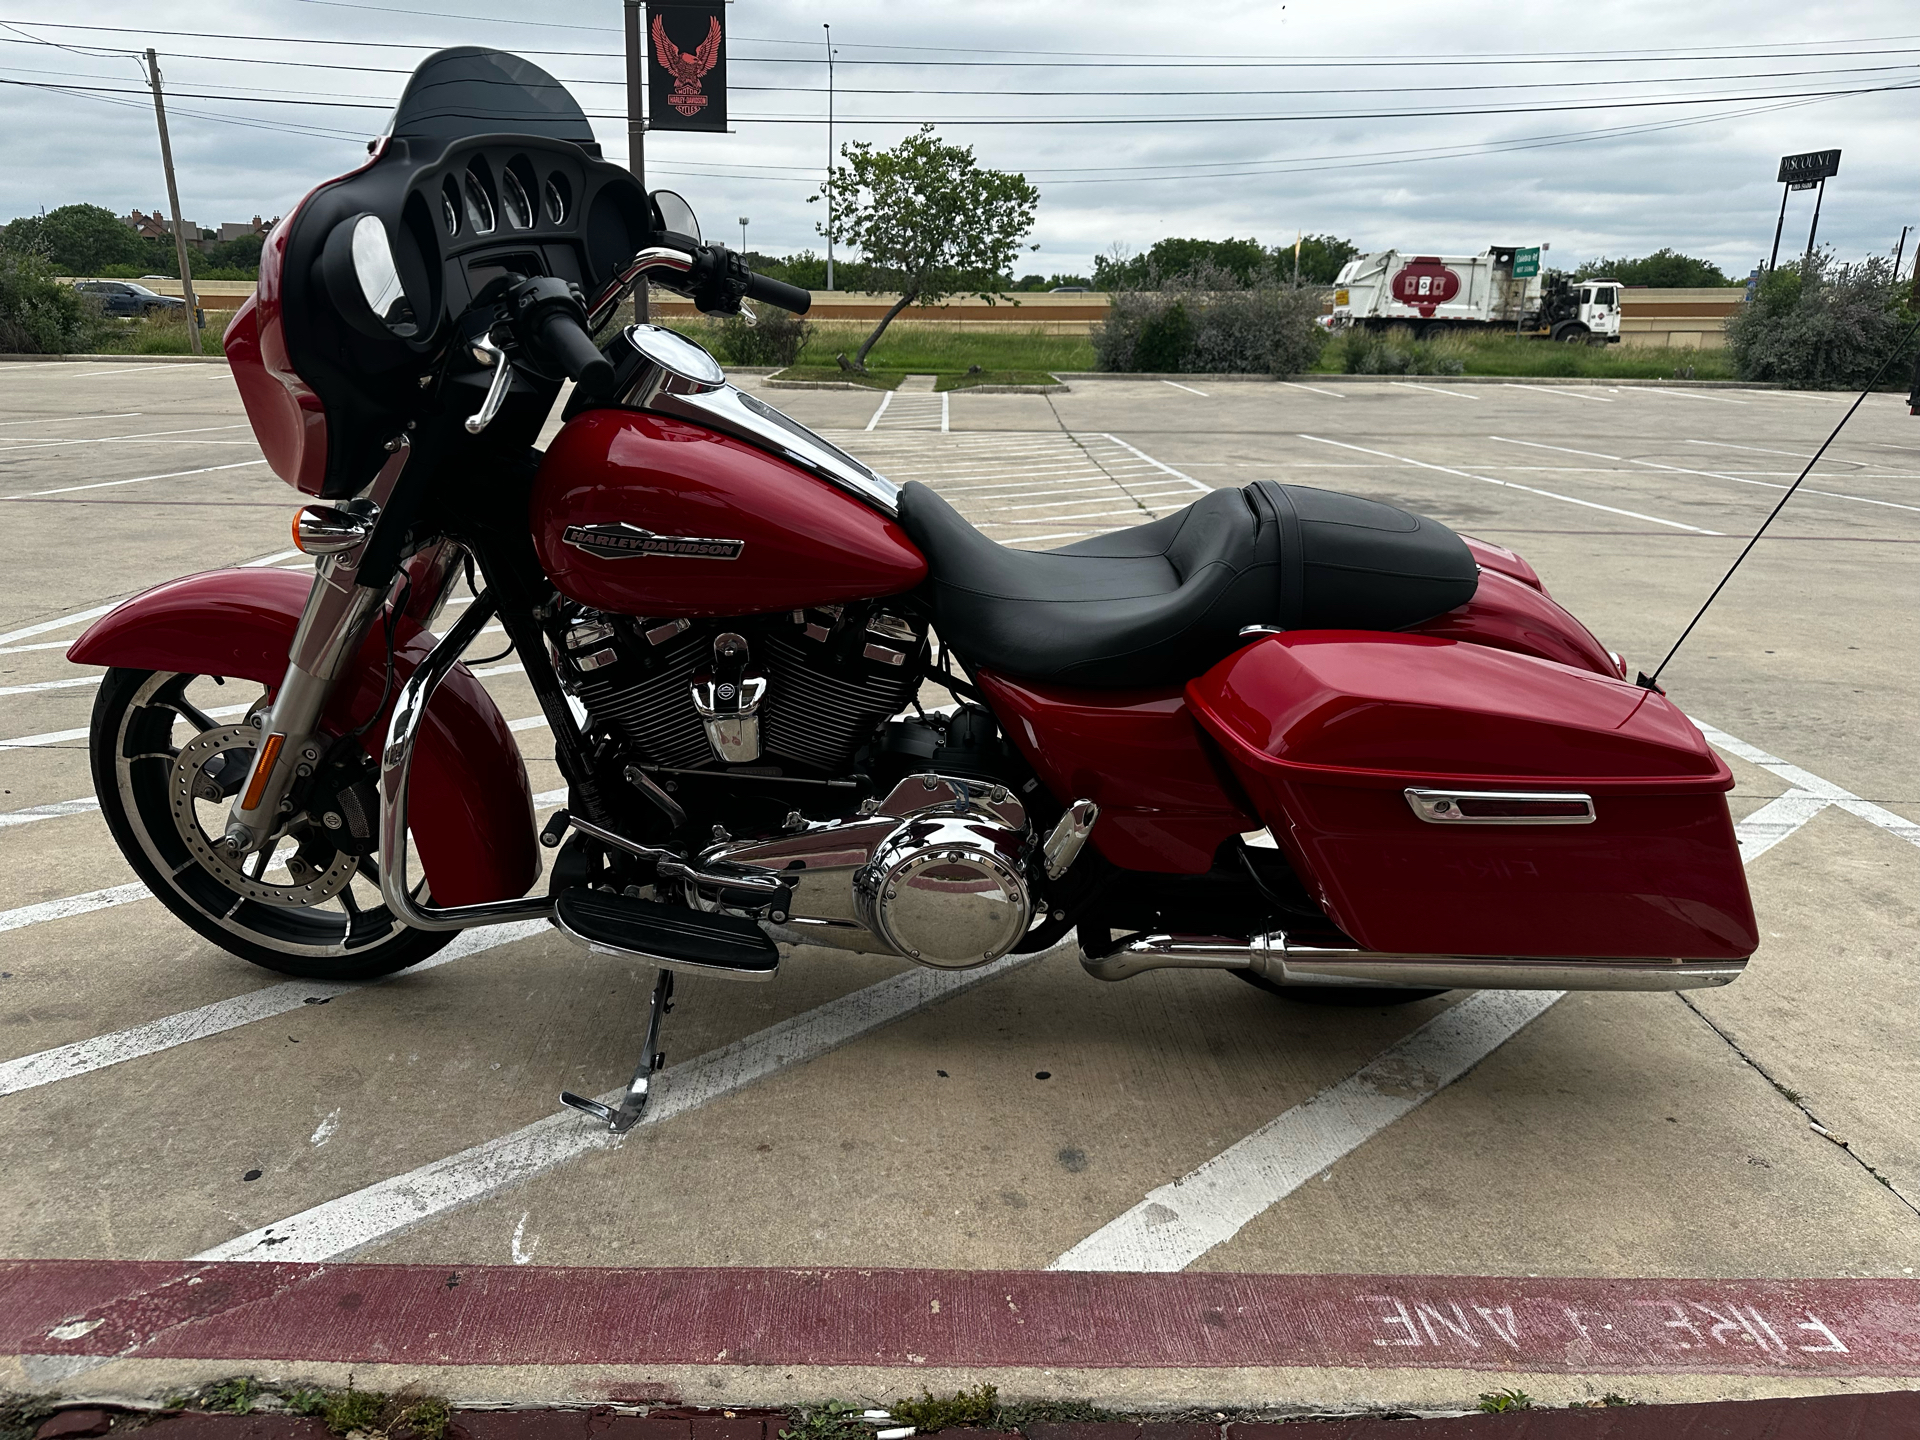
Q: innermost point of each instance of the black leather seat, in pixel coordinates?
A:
(1157, 604)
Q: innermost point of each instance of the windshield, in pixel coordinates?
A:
(140, 289)
(473, 91)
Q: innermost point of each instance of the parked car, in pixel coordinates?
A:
(123, 297)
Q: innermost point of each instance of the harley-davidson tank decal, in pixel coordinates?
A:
(617, 540)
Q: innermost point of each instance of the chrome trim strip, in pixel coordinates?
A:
(1287, 963)
(396, 762)
(1442, 807)
(749, 418)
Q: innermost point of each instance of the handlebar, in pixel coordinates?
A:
(778, 292)
(714, 277)
(565, 341)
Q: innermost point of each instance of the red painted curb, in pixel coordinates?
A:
(526, 1315)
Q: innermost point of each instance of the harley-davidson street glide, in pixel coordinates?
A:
(1311, 739)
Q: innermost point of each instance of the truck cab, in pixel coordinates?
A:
(1596, 316)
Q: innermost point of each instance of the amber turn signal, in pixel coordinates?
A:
(326, 530)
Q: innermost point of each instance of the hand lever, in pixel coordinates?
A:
(484, 349)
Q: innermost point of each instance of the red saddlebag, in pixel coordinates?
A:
(1336, 733)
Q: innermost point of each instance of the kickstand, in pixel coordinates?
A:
(634, 1103)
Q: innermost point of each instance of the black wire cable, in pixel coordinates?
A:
(1652, 682)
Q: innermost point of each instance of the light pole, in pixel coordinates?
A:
(829, 30)
(743, 234)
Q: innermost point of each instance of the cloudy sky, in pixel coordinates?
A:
(1444, 127)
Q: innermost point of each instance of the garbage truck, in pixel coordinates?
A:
(1434, 295)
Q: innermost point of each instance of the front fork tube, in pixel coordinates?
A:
(339, 612)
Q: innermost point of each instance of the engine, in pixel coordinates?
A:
(796, 693)
(940, 866)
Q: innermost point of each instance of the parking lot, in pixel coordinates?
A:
(163, 1102)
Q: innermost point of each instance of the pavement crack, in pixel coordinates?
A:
(1793, 1098)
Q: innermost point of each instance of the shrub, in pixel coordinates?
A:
(39, 315)
(1204, 321)
(1362, 352)
(777, 339)
(1820, 325)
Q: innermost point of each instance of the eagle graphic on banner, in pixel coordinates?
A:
(687, 69)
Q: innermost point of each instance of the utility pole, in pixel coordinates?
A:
(1901, 249)
(637, 129)
(1298, 236)
(743, 235)
(829, 30)
(173, 199)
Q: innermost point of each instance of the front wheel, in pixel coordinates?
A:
(169, 753)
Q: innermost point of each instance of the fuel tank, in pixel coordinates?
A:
(641, 514)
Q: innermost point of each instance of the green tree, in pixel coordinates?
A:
(39, 315)
(1246, 263)
(1821, 325)
(1665, 269)
(928, 218)
(78, 239)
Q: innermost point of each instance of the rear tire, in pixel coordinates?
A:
(142, 720)
(1349, 997)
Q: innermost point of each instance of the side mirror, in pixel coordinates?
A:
(674, 215)
(363, 282)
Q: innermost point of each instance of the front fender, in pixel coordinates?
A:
(471, 808)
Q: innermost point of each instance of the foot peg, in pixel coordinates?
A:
(622, 1118)
(669, 936)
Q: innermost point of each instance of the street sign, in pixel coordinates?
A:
(1803, 172)
(1526, 263)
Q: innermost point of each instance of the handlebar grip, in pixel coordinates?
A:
(778, 292)
(561, 337)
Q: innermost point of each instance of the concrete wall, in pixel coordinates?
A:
(1659, 318)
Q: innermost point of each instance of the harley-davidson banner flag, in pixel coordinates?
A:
(687, 67)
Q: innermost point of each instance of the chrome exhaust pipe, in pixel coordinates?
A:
(1286, 962)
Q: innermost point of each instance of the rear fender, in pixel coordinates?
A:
(471, 808)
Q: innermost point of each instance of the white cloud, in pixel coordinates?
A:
(1706, 189)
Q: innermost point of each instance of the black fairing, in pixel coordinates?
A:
(468, 117)
(1158, 603)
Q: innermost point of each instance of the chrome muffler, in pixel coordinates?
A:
(1286, 962)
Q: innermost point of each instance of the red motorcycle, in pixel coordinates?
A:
(1308, 738)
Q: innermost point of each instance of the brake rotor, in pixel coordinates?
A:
(189, 781)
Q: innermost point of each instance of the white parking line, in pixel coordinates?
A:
(43, 645)
(72, 684)
(1330, 394)
(1188, 388)
(944, 398)
(1565, 392)
(61, 909)
(1201, 486)
(1177, 1223)
(83, 1057)
(60, 624)
(1813, 785)
(53, 810)
(1432, 389)
(1704, 474)
(1512, 485)
(1687, 395)
(343, 1227)
(69, 419)
(9, 448)
(886, 399)
(136, 480)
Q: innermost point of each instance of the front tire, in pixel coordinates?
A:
(334, 926)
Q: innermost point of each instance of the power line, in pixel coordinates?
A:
(1158, 63)
(1062, 94)
(1625, 103)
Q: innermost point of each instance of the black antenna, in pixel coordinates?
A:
(1651, 682)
